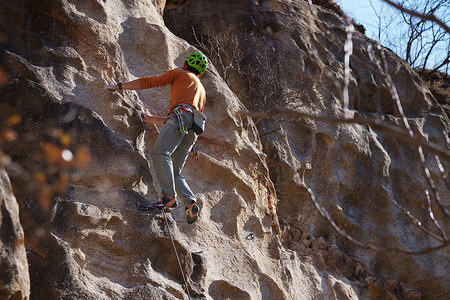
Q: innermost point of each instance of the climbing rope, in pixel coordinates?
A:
(176, 253)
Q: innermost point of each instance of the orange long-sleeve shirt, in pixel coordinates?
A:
(185, 88)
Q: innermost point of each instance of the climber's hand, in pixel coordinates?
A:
(147, 119)
(112, 87)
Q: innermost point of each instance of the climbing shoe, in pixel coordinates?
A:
(166, 202)
(141, 206)
(191, 212)
(144, 204)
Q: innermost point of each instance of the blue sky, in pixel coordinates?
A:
(381, 24)
(360, 9)
(365, 12)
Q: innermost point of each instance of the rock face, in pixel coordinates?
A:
(14, 280)
(276, 52)
(78, 160)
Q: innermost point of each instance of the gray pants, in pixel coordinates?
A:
(169, 156)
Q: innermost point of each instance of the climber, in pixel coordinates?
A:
(176, 138)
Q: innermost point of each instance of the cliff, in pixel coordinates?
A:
(75, 160)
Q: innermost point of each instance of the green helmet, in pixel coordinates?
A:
(197, 61)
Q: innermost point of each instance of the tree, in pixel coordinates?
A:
(437, 213)
(419, 34)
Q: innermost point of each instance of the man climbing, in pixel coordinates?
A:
(176, 138)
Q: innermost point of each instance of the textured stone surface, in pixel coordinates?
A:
(14, 279)
(83, 235)
(355, 171)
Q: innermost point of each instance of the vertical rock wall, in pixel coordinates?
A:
(83, 236)
(14, 279)
(273, 52)
(79, 160)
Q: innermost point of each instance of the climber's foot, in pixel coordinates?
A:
(191, 212)
(166, 202)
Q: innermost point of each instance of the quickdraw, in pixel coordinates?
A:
(182, 129)
(194, 153)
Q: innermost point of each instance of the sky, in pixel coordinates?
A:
(375, 14)
(365, 13)
(360, 9)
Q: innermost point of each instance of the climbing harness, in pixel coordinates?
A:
(182, 128)
(198, 122)
(176, 253)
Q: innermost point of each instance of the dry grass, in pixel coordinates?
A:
(439, 85)
(331, 5)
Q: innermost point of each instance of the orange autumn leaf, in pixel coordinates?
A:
(14, 119)
(8, 134)
(60, 185)
(3, 76)
(45, 198)
(40, 178)
(53, 153)
(82, 158)
(65, 139)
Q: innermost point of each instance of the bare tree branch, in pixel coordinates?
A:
(441, 169)
(433, 218)
(348, 50)
(430, 17)
(419, 224)
(357, 119)
(335, 40)
(324, 213)
(407, 135)
(262, 83)
(395, 96)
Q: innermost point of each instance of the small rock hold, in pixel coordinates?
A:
(296, 234)
(369, 280)
(319, 244)
(358, 270)
(304, 235)
(411, 294)
(306, 242)
(298, 246)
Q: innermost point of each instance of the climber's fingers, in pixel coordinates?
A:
(112, 87)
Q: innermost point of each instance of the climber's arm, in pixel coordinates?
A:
(130, 85)
(151, 119)
(143, 83)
